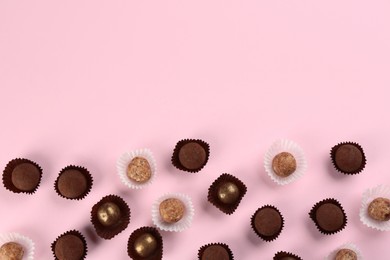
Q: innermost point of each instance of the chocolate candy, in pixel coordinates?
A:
(329, 216)
(226, 193)
(110, 216)
(348, 158)
(267, 222)
(190, 155)
(22, 175)
(73, 182)
(145, 243)
(70, 246)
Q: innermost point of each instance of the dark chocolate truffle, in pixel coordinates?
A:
(346, 254)
(190, 155)
(145, 243)
(348, 158)
(70, 246)
(73, 182)
(284, 164)
(329, 216)
(379, 209)
(215, 251)
(267, 222)
(11, 251)
(110, 216)
(226, 193)
(22, 175)
(171, 210)
(286, 256)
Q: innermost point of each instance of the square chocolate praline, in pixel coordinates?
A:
(227, 207)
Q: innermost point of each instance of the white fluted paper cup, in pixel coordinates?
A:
(289, 147)
(184, 223)
(350, 246)
(368, 196)
(124, 161)
(25, 242)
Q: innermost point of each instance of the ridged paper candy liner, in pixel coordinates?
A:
(108, 232)
(225, 246)
(25, 242)
(313, 211)
(349, 246)
(158, 253)
(7, 175)
(212, 196)
(175, 156)
(124, 161)
(289, 147)
(265, 237)
(184, 223)
(81, 170)
(368, 196)
(74, 233)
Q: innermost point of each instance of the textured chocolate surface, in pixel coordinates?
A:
(190, 155)
(348, 158)
(11, 251)
(267, 222)
(346, 254)
(26, 176)
(379, 209)
(329, 216)
(215, 251)
(284, 164)
(72, 183)
(171, 210)
(139, 170)
(69, 247)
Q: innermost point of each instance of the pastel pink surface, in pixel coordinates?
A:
(81, 82)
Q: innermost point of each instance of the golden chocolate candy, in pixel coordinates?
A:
(11, 251)
(228, 193)
(108, 214)
(145, 245)
(346, 254)
(284, 164)
(139, 170)
(171, 210)
(379, 209)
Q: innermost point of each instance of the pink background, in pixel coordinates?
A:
(81, 82)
